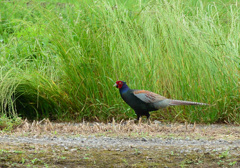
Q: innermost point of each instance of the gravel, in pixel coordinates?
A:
(118, 143)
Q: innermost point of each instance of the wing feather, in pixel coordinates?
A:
(147, 96)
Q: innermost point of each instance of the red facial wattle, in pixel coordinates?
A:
(119, 84)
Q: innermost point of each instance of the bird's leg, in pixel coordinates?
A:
(137, 120)
(148, 119)
(138, 117)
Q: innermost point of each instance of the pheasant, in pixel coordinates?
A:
(143, 101)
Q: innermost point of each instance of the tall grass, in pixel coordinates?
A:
(60, 60)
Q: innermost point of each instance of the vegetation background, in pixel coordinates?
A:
(60, 59)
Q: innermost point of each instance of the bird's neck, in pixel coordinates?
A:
(124, 89)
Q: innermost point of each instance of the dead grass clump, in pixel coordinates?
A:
(127, 128)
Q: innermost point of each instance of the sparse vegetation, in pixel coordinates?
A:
(111, 158)
(60, 60)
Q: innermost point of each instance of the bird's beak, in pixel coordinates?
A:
(115, 85)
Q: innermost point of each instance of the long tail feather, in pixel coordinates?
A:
(181, 102)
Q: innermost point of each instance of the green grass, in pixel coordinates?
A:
(60, 59)
(7, 124)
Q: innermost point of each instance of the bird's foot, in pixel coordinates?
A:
(136, 121)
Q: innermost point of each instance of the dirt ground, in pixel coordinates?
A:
(124, 144)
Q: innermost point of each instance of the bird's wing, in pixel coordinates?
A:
(147, 96)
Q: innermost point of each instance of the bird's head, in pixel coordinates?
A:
(120, 84)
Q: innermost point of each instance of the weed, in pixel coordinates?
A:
(232, 163)
(220, 162)
(137, 152)
(224, 154)
(7, 124)
(23, 160)
(34, 160)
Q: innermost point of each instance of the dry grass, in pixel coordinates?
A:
(127, 129)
